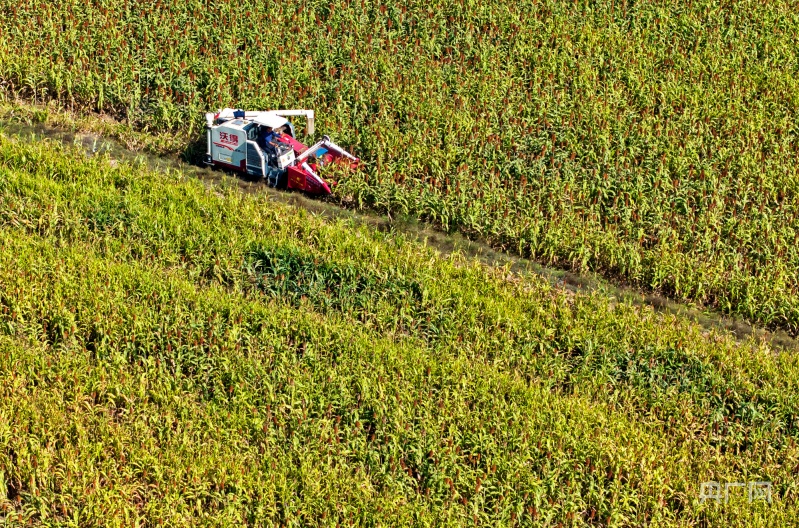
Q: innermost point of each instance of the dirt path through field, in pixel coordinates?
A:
(443, 242)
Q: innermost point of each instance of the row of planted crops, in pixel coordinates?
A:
(181, 355)
(654, 141)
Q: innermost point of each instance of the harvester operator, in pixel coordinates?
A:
(267, 136)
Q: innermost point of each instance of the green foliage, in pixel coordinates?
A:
(176, 354)
(651, 141)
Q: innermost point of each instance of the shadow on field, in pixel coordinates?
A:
(194, 152)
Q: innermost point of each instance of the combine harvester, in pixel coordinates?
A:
(263, 144)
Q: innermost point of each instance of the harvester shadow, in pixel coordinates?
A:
(194, 152)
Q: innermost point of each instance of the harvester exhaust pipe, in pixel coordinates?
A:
(209, 123)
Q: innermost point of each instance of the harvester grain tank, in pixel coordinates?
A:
(264, 144)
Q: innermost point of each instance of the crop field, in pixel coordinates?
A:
(181, 355)
(652, 141)
(178, 353)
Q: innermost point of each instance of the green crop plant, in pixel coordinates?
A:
(177, 354)
(654, 142)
